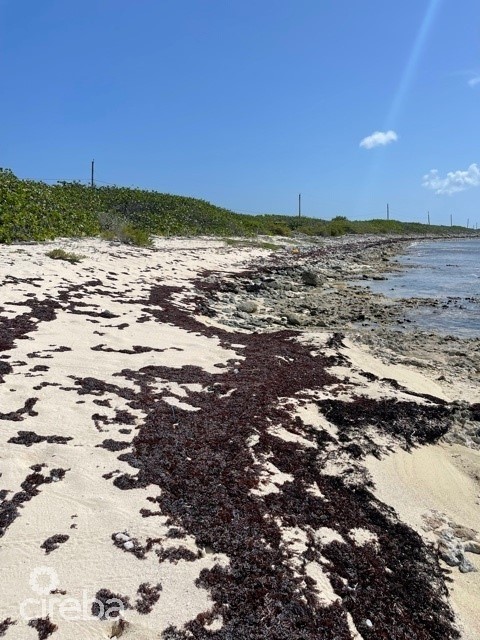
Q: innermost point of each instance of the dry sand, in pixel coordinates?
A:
(89, 560)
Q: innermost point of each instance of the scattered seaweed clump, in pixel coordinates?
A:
(5, 369)
(39, 367)
(53, 543)
(17, 328)
(148, 596)
(114, 445)
(18, 415)
(10, 509)
(108, 605)
(28, 438)
(174, 554)
(408, 422)
(43, 626)
(4, 624)
(475, 411)
(175, 533)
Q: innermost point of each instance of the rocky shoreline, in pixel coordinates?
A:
(312, 287)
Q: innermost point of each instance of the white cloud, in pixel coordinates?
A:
(454, 181)
(378, 139)
(474, 81)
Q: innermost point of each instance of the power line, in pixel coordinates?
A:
(111, 184)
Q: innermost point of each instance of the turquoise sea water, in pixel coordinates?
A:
(447, 270)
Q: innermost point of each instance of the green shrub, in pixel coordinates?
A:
(116, 227)
(36, 211)
(61, 254)
(136, 236)
(31, 210)
(280, 229)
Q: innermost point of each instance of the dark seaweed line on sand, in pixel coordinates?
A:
(10, 509)
(206, 471)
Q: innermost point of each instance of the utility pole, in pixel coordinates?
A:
(92, 179)
(388, 212)
(451, 220)
(299, 205)
(428, 214)
(468, 222)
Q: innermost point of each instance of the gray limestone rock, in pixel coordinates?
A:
(310, 278)
(472, 546)
(293, 319)
(248, 306)
(451, 554)
(466, 566)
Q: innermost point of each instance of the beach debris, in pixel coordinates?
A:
(451, 553)
(472, 546)
(126, 542)
(466, 566)
(121, 537)
(119, 626)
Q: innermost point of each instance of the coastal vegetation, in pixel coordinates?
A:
(61, 254)
(34, 211)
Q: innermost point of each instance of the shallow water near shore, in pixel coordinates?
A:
(447, 271)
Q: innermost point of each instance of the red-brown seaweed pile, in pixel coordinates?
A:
(206, 466)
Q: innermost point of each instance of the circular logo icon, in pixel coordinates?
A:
(43, 580)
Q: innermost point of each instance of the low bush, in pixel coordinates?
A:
(61, 254)
(31, 210)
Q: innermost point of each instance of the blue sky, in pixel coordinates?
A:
(246, 103)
